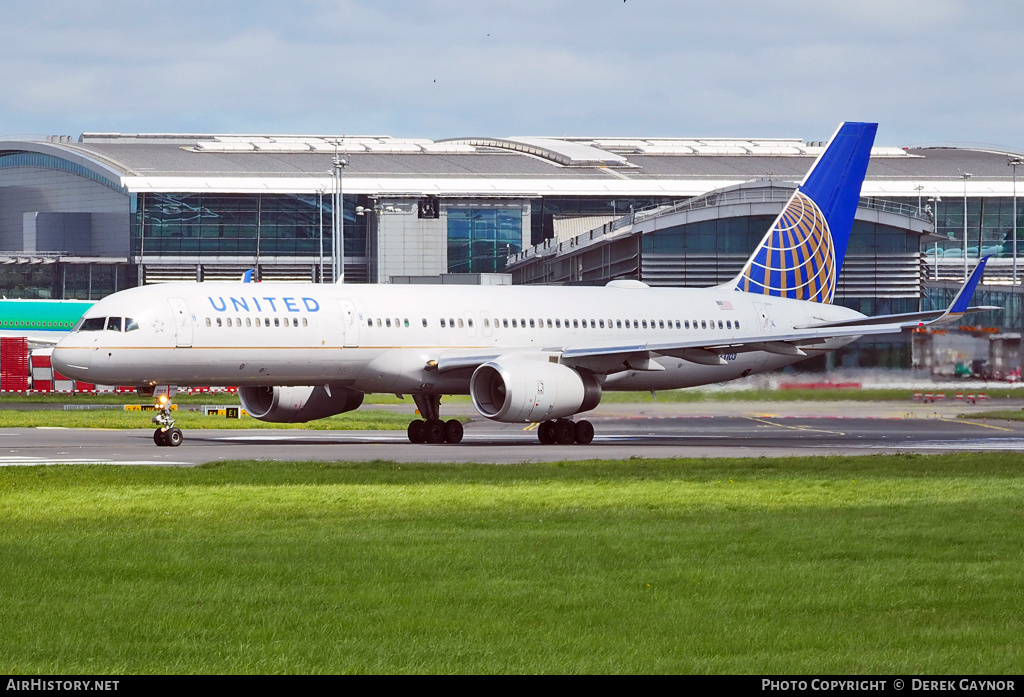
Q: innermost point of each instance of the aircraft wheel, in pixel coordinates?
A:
(160, 437)
(584, 432)
(546, 433)
(417, 431)
(453, 431)
(174, 437)
(565, 432)
(434, 431)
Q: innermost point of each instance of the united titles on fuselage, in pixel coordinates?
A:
(290, 304)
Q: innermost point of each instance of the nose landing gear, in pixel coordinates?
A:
(166, 433)
(171, 436)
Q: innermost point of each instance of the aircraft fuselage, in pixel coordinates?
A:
(384, 338)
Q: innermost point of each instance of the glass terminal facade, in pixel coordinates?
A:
(989, 227)
(64, 281)
(480, 240)
(243, 225)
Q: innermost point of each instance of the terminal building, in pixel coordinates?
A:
(84, 217)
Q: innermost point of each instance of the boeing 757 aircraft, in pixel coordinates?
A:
(524, 354)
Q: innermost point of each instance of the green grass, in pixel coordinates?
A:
(897, 564)
(1006, 414)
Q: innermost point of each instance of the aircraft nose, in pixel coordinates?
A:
(72, 361)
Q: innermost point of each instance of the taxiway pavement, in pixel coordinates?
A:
(660, 430)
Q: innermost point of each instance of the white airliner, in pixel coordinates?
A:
(526, 354)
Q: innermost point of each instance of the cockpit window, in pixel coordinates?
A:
(130, 325)
(114, 324)
(93, 324)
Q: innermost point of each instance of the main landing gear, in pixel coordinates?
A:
(166, 433)
(433, 429)
(565, 432)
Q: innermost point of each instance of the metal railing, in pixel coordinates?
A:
(769, 195)
(759, 195)
(772, 194)
(905, 209)
(999, 270)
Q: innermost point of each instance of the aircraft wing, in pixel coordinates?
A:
(908, 318)
(790, 343)
(463, 359)
(616, 357)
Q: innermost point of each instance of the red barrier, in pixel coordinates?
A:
(13, 363)
(820, 386)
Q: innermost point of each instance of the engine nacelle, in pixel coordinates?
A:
(289, 405)
(524, 391)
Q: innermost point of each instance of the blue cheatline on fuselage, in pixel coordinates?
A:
(802, 254)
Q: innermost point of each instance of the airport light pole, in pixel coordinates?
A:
(1013, 162)
(320, 214)
(966, 176)
(338, 219)
(919, 188)
(935, 219)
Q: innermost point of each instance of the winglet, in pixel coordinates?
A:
(963, 298)
(247, 276)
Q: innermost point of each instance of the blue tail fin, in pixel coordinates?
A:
(801, 255)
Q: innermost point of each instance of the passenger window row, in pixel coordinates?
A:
(388, 322)
(16, 323)
(532, 323)
(514, 323)
(256, 321)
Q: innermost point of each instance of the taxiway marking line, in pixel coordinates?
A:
(794, 428)
(33, 461)
(975, 423)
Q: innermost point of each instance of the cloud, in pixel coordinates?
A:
(942, 70)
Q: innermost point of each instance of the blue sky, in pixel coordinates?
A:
(935, 71)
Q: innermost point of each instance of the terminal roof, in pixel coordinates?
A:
(517, 166)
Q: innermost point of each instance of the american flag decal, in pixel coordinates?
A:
(724, 304)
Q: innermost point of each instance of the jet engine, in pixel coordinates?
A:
(289, 405)
(531, 391)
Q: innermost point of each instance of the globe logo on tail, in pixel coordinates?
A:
(796, 259)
